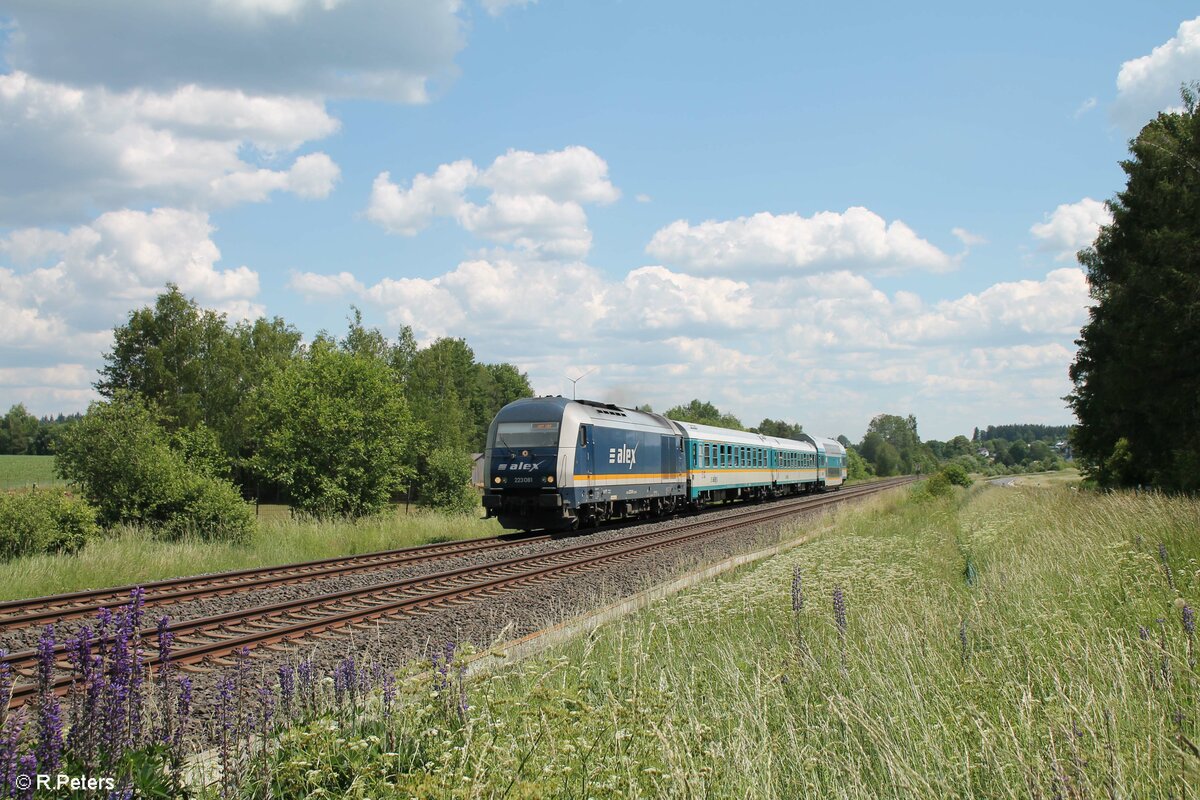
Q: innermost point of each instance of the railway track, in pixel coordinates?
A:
(212, 639)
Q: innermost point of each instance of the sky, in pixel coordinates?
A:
(802, 211)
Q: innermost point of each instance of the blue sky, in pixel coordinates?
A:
(791, 210)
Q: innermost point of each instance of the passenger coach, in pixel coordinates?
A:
(557, 463)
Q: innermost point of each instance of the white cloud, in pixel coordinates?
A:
(1071, 227)
(64, 150)
(821, 344)
(324, 287)
(498, 7)
(967, 238)
(68, 289)
(765, 242)
(379, 49)
(535, 205)
(1150, 83)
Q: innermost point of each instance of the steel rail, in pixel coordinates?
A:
(281, 623)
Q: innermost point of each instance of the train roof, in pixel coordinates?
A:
(547, 409)
(728, 436)
(830, 445)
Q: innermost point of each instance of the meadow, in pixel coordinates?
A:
(18, 472)
(997, 642)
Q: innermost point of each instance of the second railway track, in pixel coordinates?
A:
(211, 639)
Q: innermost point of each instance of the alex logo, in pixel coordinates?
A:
(527, 467)
(622, 455)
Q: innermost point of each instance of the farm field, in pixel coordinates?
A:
(999, 642)
(130, 555)
(18, 472)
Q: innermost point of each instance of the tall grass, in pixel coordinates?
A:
(997, 643)
(132, 555)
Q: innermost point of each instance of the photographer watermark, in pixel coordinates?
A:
(63, 782)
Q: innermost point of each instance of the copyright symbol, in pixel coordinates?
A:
(23, 782)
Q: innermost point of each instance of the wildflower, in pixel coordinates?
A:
(49, 746)
(797, 590)
(287, 689)
(1162, 556)
(1189, 627)
(839, 609)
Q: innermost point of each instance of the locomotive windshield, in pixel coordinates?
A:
(527, 434)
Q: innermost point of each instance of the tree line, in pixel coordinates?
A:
(337, 427)
(23, 434)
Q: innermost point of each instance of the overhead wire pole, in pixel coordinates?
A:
(575, 381)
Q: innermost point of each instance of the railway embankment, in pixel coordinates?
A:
(995, 642)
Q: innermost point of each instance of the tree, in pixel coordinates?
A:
(703, 413)
(1135, 375)
(193, 366)
(777, 427)
(18, 432)
(333, 429)
(843, 441)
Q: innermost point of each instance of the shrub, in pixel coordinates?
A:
(44, 521)
(121, 458)
(957, 475)
(209, 509)
(938, 485)
(447, 482)
(334, 431)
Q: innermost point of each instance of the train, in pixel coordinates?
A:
(556, 463)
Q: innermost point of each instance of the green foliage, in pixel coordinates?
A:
(446, 485)
(1027, 432)
(333, 429)
(703, 413)
(194, 366)
(18, 432)
(857, 467)
(44, 521)
(209, 509)
(956, 474)
(893, 447)
(1135, 374)
(937, 485)
(201, 451)
(120, 457)
(777, 427)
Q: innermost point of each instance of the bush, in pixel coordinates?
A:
(937, 485)
(447, 482)
(957, 475)
(121, 458)
(209, 509)
(44, 521)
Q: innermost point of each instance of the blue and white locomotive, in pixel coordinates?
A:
(557, 463)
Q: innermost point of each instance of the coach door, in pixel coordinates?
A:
(585, 449)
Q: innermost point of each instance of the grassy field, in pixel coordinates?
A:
(17, 472)
(1002, 642)
(131, 556)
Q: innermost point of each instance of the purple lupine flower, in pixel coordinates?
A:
(183, 715)
(137, 667)
(226, 731)
(389, 693)
(10, 742)
(27, 765)
(1189, 620)
(49, 745)
(266, 707)
(287, 689)
(306, 679)
(839, 609)
(1162, 556)
(797, 590)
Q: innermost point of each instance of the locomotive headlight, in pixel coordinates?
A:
(496, 479)
(549, 479)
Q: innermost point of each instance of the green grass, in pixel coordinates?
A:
(18, 472)
(992, 650)
(131, 556)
